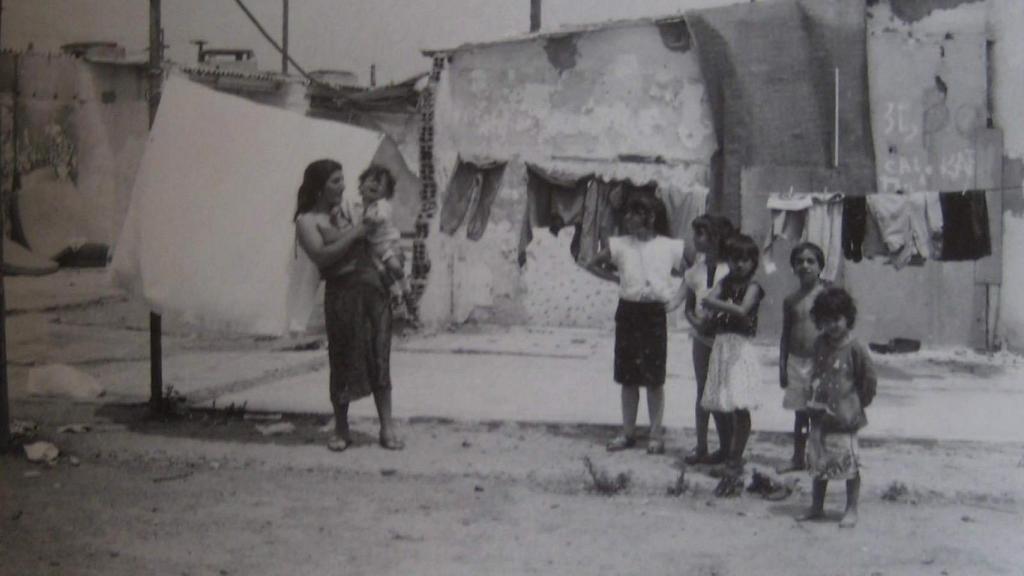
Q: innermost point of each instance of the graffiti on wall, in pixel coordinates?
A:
(929, 100)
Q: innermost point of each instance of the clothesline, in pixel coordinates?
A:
(791, 193)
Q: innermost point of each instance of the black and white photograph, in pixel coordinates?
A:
(439, 287)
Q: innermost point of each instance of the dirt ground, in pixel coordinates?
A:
(206, 493)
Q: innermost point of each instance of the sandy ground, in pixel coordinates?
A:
(207, 493)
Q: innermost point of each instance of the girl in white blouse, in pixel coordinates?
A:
(643, 261)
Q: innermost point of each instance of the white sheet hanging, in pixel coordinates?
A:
(209, 231)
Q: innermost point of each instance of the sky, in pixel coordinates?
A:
(323, 34)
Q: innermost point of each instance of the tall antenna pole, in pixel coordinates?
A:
(284, 38)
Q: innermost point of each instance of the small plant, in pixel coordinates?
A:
(603, 482)
(680, 486)
(896, 492)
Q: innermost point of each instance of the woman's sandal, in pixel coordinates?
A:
(620, 443)
(337, 445)
(389, 442)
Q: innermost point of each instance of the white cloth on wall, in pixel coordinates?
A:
(209, 232)
(824, 227)
(815, 217)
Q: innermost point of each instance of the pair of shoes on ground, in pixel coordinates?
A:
(729, 468)
(654, 445)
(702, 457)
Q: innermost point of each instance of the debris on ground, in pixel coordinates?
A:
(63, 380)
(768, 487)
(730, 486)
(74, 429)
(604, 482)
(23, 428)
(74, 461)
(41, 452)
(277, 429)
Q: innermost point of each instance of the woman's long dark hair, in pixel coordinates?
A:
(313, 181)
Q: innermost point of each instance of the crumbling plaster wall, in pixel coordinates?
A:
(1006, 26)
(572, 103)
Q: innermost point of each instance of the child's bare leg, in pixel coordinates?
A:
(701, 356)
(800, 428)
(817, 509)
(656, 412)
(630, 403)
(852, 497)
(724, 427)
(740, 435)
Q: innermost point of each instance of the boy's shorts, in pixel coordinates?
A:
(798, 392)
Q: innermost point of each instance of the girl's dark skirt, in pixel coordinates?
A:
(641, 343)
(358, 318)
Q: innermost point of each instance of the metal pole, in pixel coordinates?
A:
(156, 57)
(284, 38)
(534, 15)
(5, 412)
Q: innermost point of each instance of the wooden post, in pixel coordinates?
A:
(156, 56)
(5, 411)
(284, 37)
(534, 15)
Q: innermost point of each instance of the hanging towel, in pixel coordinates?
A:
(965, 231)
(599, 221)
(551, 198)
(682, 207)
(855, 218)
(789, 215)
(891, 213)
(923, 224)
(471, 191)
(824, 228)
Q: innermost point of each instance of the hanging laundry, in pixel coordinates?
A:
(816, 217)
(789, 215)
(217, 245)
(600, 208)
(682, 207)
(471, 191)
(824, 228)
(553, 200)
(965, 232)
(925, 222)
(855, 216)
(891, 213)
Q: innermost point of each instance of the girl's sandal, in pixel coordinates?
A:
(389, 442)
(337, 445)
(620, 443)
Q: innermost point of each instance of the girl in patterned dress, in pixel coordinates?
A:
(734, 373)
(843, 382)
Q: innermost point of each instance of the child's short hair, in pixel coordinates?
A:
(742, 247)
(382, 174)
(811, 247)
(834, 302)
(705, 223)
(651, 205)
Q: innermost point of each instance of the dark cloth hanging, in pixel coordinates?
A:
(855, 221)
(471, 190)
(553, 200)
(965, 231)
